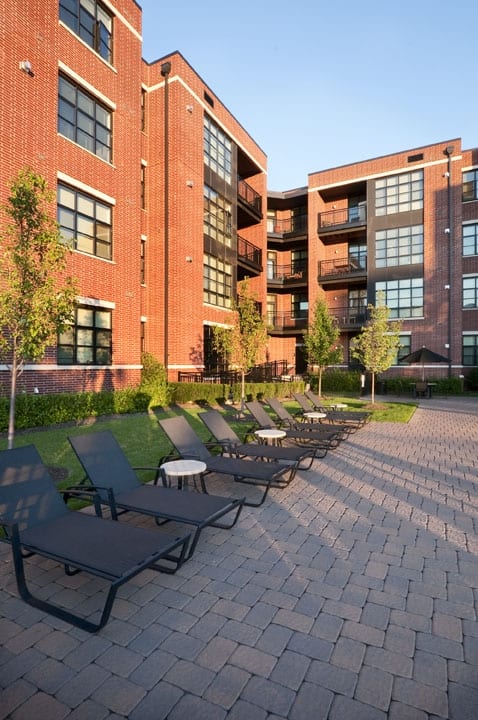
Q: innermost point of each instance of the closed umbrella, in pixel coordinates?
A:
(423, 357)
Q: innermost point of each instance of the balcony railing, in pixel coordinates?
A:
(338, 267)
(287, 226)
(287, 274)
(349, 318)
(345, 216)
(249, 195)
(280, 321)
(249, 253)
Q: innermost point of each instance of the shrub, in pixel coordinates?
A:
(154, 380)
(339, 382)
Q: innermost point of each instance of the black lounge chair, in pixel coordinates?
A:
(117, 485)
(251, 472)
(229, 442)
(350, 420)
(317, 404)
(303, 435)
(36, 521)
(333, 435)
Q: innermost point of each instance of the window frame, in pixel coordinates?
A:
(398, 193)
(217, 282)
(469, 188)
(217, 219)
(399, 290)
(395, 247)
(71, 235)
(98, 37)
(94, 331)
(473, 354)
(474, 243)
(217, 150)
(470, 292)
(73, 115)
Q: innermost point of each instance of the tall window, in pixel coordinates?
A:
(403, 297)
(91, 22)
(470, 349)
(405, 347)
(217, 150)
(217, 217)
(217, 282)
(299, 261)
(83, 119)
(88, 340)
(357, 304)
(399, 193)
(300, 306)
(399, 246)
(470, 185)
(470, 239)
(85, 222)
(358, 256)
(142, 262)
(470, 291)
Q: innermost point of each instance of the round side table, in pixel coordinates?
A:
(184, 471)
(270, 435)
(314, 416)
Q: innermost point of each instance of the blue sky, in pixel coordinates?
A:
(320, 84)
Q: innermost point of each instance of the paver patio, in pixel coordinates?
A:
(350, 595)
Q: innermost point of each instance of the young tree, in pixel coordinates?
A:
(320, 340)
(242, 343)
(36, 300)
(377, 345)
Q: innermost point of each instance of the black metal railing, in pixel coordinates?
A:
(288, 225)
(264, 372)
(283, 274)
(249, 195)
(343, 216)
(349, 317)
(249, 252)
(280, 321)
(342, 266)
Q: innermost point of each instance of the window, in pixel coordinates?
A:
(399, 246)
(142, 262)
(470, 239)
(357, 305)
(470, 185)
(217, 217)
(88, 340)
(404, 349)
(470, 349)
(91, 22)
(217, 150)
(143, 109)
(299, 260)
(358, 256)
(403, 297)
(300, 306)
(217, 285)
(85, 222)
(83, 120)
(399, 193)
(470, 291)
(143, 186)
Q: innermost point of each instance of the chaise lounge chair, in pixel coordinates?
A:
(230, 442)
(303, 435)
(36, 521)
(117, 485)
(333, 435)
(189, 445)
(350, 419)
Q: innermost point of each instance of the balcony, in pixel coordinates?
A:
(249, 205)
(340, 269)
(294, 274)
(350, 318)
(342, 221)
(288, 227)
(249, 255)
(286, 323)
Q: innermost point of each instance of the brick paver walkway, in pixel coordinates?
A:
(351, 595)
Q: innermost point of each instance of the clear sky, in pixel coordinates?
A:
(319, 84)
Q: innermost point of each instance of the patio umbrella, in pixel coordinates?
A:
(422, 357)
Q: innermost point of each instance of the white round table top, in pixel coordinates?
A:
(180, 468)
(315, 415)
(339, 406)
(270, 433)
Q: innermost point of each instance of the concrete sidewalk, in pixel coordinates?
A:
(351, 595)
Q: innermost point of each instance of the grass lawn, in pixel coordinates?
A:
(143, 440)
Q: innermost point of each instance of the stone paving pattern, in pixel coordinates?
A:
(351, 595)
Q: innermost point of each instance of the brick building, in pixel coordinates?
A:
(163, 196)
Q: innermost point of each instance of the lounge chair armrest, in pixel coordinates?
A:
(86, 492)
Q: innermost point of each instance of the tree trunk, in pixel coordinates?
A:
(243, 394)
(320, 383)
(13, 393)
(373, 387)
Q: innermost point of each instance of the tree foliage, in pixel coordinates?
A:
(36, 299)
(321, 340)
(378, 343)
(244, 342)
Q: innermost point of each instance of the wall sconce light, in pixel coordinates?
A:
(26, 67)
(447, 231)
(447, 287)
(446, 175)
(190, 183)
(189, 108)
(189, 259)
